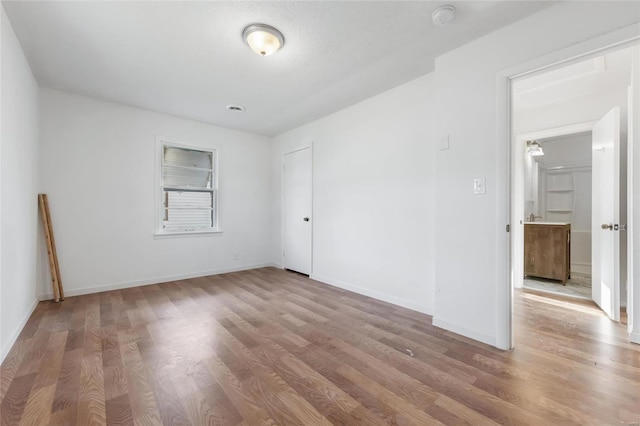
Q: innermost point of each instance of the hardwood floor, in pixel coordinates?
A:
(273, 347)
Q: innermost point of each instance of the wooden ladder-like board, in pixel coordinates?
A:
(56, 281)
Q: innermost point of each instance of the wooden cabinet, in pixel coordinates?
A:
(547, 251)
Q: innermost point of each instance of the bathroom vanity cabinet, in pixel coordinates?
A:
(547, 250)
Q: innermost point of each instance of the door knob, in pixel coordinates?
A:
(608, 226)
(306, 219)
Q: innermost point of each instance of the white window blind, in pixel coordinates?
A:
(188, 189)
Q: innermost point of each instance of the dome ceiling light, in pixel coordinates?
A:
(263, 39)
(443, 15)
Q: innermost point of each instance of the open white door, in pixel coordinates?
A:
(633, 172)
(297, 211)
(605, 237)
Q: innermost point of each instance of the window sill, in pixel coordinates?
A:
(186, 234)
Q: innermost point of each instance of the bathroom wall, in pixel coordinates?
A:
(571, 155)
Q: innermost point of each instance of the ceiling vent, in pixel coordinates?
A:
(235, 108)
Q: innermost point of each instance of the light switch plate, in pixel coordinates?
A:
(444, 142)
(480, 186)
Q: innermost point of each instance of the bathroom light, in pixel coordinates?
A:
(263, 39)
(534, 149)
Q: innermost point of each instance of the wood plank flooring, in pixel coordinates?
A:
(266, 347)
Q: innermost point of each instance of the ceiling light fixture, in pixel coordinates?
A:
(263, 39)
(534, 149)
(443, 15)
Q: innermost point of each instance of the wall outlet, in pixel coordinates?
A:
(236, 255)
(480, 186)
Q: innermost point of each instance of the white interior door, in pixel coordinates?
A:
(605, 244)
(633, 114)
(297, 211)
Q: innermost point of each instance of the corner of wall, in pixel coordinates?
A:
(7, 344)
(19, 175)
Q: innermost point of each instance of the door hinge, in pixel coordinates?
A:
(508, 228)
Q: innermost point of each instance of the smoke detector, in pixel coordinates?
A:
(443, 15)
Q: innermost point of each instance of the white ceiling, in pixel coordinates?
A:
(188, 58)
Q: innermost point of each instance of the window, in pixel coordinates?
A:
(188, 189)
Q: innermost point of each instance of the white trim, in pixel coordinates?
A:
(588, 49)
(571, 129)
(566, 168)
(409, 304)
(300, 148)
(596, 46)
(504, 274)
(215, 149)
(581, 268)
(634, 337)
(178, 234)
(157, 280)
(14, 337)
(472, 334)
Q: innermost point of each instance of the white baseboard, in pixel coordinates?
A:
(472, 334)
(581, 268)
(156, 280)
(425, 309)
(12, 340)
(634, 337)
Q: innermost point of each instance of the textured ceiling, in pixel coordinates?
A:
(188, 58)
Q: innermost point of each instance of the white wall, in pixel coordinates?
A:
(373, 191)
(98, 167)
(471, 241)
(18, 189)
(573, 154)
(580, 110)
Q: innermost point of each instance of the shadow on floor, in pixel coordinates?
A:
(578, 286)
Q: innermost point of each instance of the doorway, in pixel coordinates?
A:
(557, 179)
(297, 207)
(558, 190)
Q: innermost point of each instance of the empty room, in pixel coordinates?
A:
(319, 212)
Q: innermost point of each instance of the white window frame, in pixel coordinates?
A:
(160, 232)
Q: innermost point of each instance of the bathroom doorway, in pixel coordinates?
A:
(558, 190)
(553, 115)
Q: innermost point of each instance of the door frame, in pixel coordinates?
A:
(621, 38)
(517, 211)
(282, 189)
